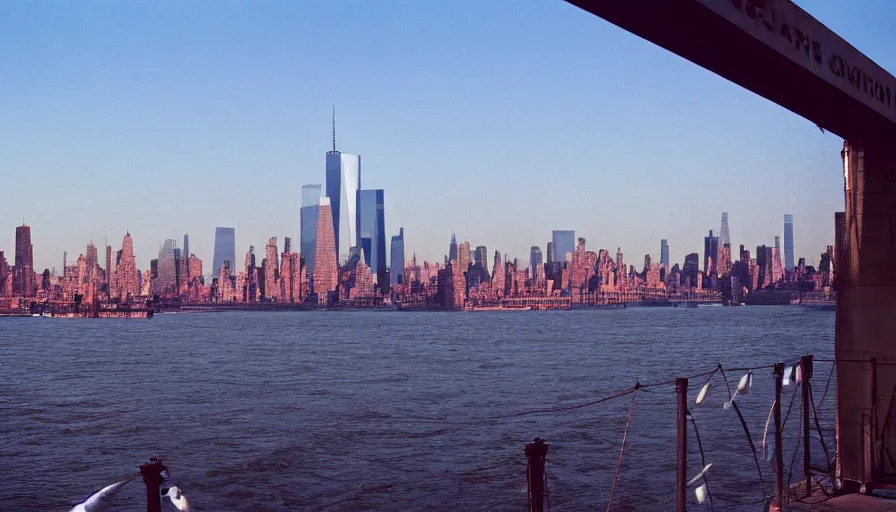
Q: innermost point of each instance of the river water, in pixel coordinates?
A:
(387, 410)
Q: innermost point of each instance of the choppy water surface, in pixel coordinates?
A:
(385, 410)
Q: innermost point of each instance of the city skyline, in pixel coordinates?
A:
(615, 157)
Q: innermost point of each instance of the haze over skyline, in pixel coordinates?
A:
(501, 121)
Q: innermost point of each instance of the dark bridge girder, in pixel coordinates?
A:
(690, 29)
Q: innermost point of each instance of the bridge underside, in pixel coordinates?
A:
(866, 253)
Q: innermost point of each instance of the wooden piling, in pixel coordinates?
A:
(536, 453)
(681, 389)
(152, 477)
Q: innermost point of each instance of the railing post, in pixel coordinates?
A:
(536, 453)
(779, 456)
(681, 389)
(152, 477)
(806, 368)
(875, 452)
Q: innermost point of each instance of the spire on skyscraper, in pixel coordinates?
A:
(334, 128)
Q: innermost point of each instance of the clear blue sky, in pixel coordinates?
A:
(500, 119)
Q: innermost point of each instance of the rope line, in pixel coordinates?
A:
(702, 457)
(746, 429)
(622, 449)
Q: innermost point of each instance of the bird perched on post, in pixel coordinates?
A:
(97, 500)
(177, 498)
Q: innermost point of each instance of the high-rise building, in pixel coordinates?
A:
(724, 236)
(326, 273)
(710, 253)
(564, 245)
(464, 256)
(371, 224)
(23, 271)
(308, 224)
(550, 254)
(480, 255)
(788, 241)
(536, 261)
(664, 253)
(109, 269)
(127, 276)
(396, 258)
(185, 264)
(343, 182)
(271, 270)
(452, 248)
(166, 282)
(225, 249)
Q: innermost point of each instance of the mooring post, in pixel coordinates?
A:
(806, 368)
(152, 477)
(779, 455)
(681, 389)
(536, 453)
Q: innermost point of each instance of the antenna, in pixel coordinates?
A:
(334, 127)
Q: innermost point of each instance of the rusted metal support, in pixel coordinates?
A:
(779, 456)
(806, 368)
(681, 389)
(536, 453)
(152, 477)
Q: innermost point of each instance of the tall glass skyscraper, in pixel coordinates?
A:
(564, 243)
(535, 260)
(396, 260)
(788, 242)
(225, 250)
(308, 214)
(343, 183)
(664, 252)
(371, 223)
(724, 236)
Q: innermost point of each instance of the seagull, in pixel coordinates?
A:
(179, 500)
(96, 501)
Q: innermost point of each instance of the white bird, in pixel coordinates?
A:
(179, 500)
(96, 501)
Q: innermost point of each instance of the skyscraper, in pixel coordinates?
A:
(225, 249)
(724, 237)
(710, 253)
(396, 258)
(127, 276)
(371, 224)
(343, 182)
(271, 270)
(308, 224)
(326, 274)
(664, 252)
(535, 261)
(788, 241)
(23, 271)
(480, 255)
(166, 281)
(564, 244)
(452, 248)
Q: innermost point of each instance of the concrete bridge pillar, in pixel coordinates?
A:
(865, 280)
